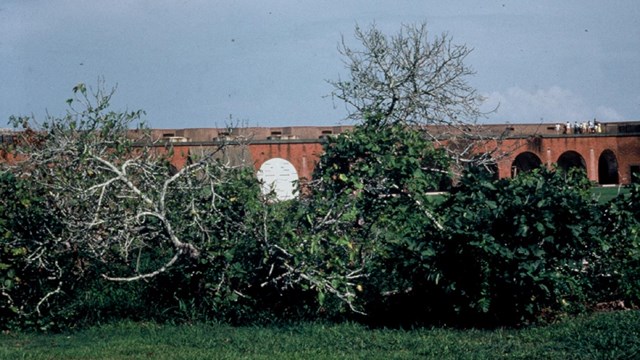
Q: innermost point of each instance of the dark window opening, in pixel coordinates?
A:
(525, 162)
(608, 168)
(6, 139)
(635, 174)
(571, 159)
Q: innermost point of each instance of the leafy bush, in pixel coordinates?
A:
(508, 252)
(95, 228)
(371, 212)
(617, 271)
(200, 242)
(518, 246)
(30, 257)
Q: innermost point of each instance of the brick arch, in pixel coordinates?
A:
(524, 162)
(571, 159)
(488, 165)
(608, 172)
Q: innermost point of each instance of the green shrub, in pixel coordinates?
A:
(518, 247)
(31, 261)
(365, 237)
(371, 212)
(617, 271)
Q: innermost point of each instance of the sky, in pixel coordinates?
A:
(198, 63)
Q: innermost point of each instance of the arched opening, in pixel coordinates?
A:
(525, 162)
(608, 168)
(280, 177)
(485, 164)
(571, 159)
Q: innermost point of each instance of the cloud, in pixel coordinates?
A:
(554, 104)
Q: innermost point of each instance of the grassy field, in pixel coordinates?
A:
(604, 194)
(613, 335)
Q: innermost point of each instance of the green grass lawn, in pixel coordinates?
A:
(604, 194)
(613, 335)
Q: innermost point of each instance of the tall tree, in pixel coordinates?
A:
(414, 79)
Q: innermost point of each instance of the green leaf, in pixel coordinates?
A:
(80, 87)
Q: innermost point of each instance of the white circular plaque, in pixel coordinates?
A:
(278, 175)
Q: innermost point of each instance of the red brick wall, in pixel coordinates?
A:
(303, 155)
(590, 147)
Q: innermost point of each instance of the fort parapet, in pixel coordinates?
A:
(609, 153)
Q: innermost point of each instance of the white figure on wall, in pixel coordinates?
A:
(280, 176)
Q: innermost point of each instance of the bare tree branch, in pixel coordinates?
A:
(415, 79)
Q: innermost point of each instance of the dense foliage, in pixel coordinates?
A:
(96, 226)
(26, 275)
(618, 269)
(518, 247)
(374, 184)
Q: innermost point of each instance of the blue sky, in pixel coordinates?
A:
(196, 63)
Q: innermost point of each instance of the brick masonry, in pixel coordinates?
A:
(586, 149)
(613, 154)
